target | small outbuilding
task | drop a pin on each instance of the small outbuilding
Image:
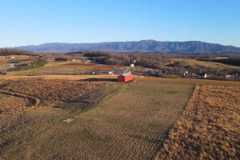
(126, 77)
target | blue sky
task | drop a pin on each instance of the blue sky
(24, 22)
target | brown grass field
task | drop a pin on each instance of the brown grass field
(204, 64)
(80, 119)
(63, 68)
(129, 123)
(209, 127)
(53, 90)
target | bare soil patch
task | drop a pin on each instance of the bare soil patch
(12, 104)
(55, 91)
(209, 128)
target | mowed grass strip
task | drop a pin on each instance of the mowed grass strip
(129, 124)
(136, 120)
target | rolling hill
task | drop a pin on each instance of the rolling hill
(188, 47)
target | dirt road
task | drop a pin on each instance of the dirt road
(55, 77)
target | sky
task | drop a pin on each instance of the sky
(25, 22)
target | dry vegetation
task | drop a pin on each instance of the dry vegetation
(209, 128)
(204, 65)
(144, 60)
(10, 107)
(52, 91)
(130, 123)
(72, 69)
(12, 104)
(64, 68)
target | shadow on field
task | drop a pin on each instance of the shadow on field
(100, 80)
(85, 102)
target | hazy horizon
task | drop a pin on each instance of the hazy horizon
(37, 44)
(31, 23)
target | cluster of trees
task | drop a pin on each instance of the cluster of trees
(161, 65)
(37, 63)
(145, 60)
(230, 61)
(155, 61)
(107, 58)
(7, 52)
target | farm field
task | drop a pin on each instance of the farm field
(209, 127)
(130, 121)
(119, 80)
(3, 64)
(54, 91)
(204, 64)
(63, 68)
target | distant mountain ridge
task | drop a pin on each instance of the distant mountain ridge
(188, 47)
